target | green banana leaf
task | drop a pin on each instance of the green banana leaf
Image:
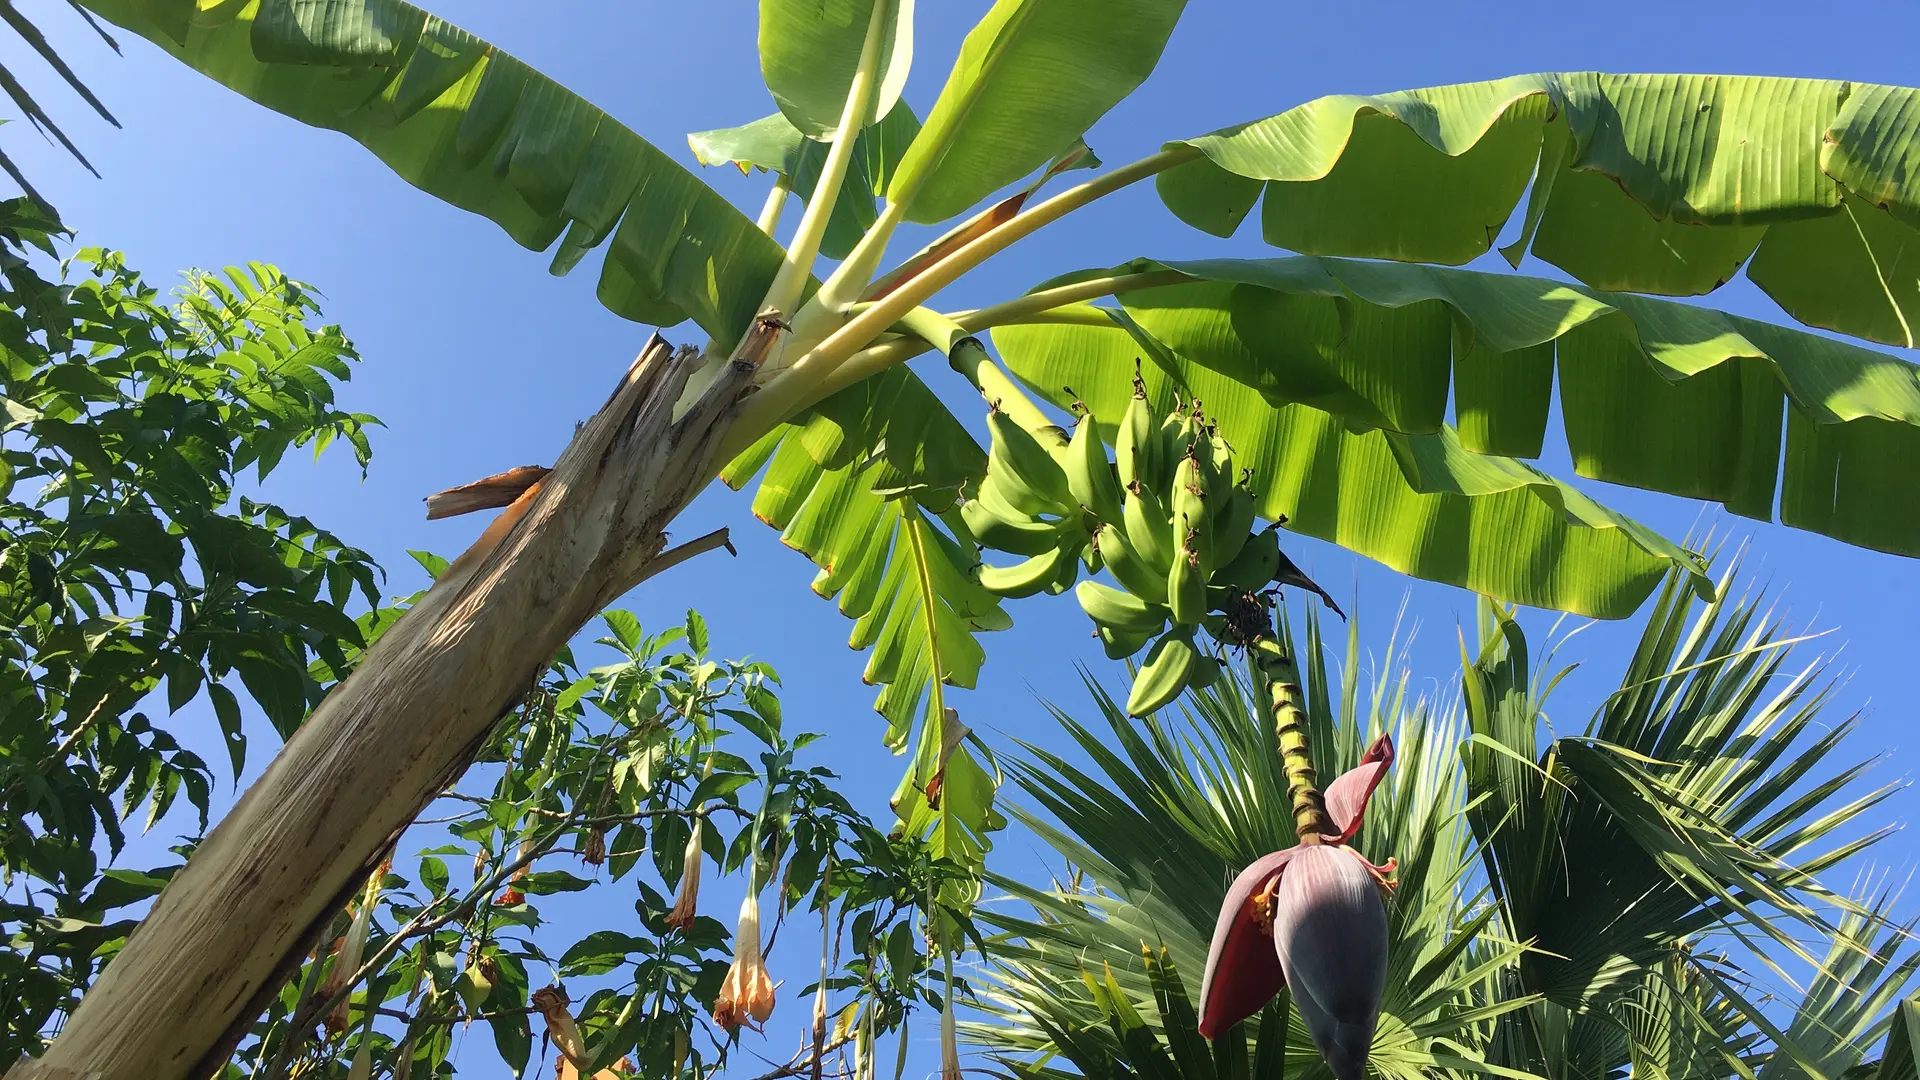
(774, 144)
(1421, 504)
(809, 50)
(1642, 183)
(1654, 393)
(473, 126)
(1031, 78)
(849, 486)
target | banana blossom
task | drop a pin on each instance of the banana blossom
(1310, 918)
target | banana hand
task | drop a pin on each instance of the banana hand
(1028, 475)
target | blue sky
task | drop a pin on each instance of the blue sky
(477, 360)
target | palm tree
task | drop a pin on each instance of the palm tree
(1568, 906)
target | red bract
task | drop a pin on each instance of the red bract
(1309, 917)
(1347, 796)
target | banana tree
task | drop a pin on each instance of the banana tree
(1327, 373)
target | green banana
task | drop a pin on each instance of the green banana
(1089, 475)
(1120, 610)
(1031, 479)
(994, 530)
(1069, 567)
(1133, 573)
(1254, 567)
(1163, 674)
(1120, 644)
(1176, 438)
(1026, 577)
(996, 491)
(1148, 529)
(1187, 587)
(1192, 521)
(1232, 523)
(1136, 448)
(1206, 672)
(1216, 462)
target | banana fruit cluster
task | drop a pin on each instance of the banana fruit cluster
(1169, 520)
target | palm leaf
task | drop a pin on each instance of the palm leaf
(1853, 998)
(1643, 183)
(1708, 728)
(31, 109)
(472, 125)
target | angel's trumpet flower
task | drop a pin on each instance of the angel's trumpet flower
(747, 994)
(1310, 918)
(686, 903)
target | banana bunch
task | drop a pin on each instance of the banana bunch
(1025, 506)
(1169, 519)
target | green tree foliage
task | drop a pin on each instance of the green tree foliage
(135, 579)
(598, 781)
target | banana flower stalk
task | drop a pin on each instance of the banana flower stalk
(1309, 918)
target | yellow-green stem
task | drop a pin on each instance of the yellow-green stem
(878, 358)
(829, 306)
(776, 202)
(967, 356)
(792, 277)
(1024, 307)
(779, 398)
(1280, 681)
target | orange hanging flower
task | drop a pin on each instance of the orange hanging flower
(511, 895)
(747, 994)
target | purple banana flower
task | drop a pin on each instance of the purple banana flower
(1311, 918)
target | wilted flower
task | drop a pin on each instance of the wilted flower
(1310, 918)
(552, 1003)
(747, 994)
(686, 903)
